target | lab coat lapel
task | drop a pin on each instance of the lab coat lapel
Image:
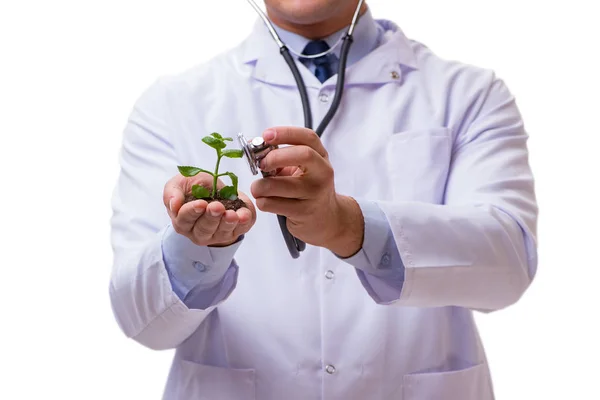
(273, 69)
(386, 64)
(261, 54)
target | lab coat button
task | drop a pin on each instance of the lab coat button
(385, 260)
(329, 274)
(200, 267)
(324, 97)
(330, 369)
(395, 75)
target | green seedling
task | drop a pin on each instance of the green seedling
(217, 142)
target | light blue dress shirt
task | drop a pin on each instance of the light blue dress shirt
(196, 273)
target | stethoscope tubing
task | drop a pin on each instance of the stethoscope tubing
(295, 245)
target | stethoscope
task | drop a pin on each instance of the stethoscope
(256, 149)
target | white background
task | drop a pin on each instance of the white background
(69, 74)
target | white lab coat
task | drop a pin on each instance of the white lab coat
(439, 145)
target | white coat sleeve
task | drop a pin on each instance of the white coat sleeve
(477, 249)
(142, 296)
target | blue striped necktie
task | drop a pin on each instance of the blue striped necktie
(323, 70)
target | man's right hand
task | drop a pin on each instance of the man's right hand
(205, 224)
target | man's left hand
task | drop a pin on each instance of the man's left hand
(303, 191)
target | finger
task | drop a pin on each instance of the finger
(245, 216)
(206, 226)
(173, 195)
(295, 136)
(227, 225)
(277, 205)
(188, 214)
(281, 186)
(288, 171)
(304, 157)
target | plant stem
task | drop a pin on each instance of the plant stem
(216, 175)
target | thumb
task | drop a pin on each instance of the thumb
(173, 196)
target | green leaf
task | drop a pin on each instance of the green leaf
(234, 180)
(191, 171)
(200, 192)
(214, 142)
(218, 136)
(232, 153)
(228, 192)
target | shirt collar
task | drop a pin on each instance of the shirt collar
(260, 44)
(367, 35)
(393, 56)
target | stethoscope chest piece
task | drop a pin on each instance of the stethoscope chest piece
(254, 151)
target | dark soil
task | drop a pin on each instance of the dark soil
(229, 204)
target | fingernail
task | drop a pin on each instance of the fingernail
(269, 135)
(171, 204)
(214, 213)
(229, 222)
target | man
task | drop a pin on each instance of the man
(417, 205)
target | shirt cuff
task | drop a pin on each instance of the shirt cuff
(378, 263)
(190, 266)
(375, 253)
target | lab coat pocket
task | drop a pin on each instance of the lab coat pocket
(418, 162)
(466, 384)
(204, 382)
